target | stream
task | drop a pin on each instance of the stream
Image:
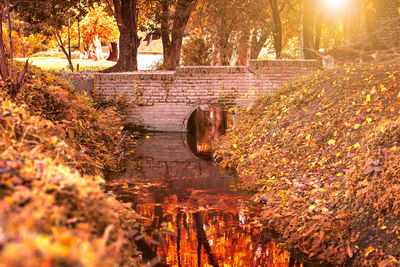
(195, 215)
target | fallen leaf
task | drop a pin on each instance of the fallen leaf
(368, 251)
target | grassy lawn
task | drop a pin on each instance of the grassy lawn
(54, 60)
(55, 63)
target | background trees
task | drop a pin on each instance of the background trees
(51, 16)
(223, 32)
(96, 27)
(173, 16)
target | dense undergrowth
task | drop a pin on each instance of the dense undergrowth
(324, 152)
(54, 148)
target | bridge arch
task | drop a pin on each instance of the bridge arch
(204, 124)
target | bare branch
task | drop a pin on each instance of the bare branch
(3, 59)
(18, 83)
(11, 52)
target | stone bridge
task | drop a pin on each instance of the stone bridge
(165, 100)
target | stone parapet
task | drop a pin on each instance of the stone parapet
(164, 100)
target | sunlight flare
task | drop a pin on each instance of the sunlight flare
(335, 4)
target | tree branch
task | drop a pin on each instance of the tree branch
(3, 59)
(61, 45)
(18, 83)
(11, 56)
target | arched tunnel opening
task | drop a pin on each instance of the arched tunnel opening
(205, 125)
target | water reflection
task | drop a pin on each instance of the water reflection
(205, 125)
(211, 225)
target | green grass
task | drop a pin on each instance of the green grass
(53, 63)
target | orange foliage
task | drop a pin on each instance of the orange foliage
(99, 23)
(50, 214)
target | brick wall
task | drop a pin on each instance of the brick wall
(166, 99)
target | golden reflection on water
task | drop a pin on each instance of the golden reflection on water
(223, 236)
(179, 193)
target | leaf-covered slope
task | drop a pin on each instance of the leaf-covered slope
(94, 134)
(50, 213)
(324, 152)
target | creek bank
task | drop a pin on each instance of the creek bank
(55, 146)
(323, 152)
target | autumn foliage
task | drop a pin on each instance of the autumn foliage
(53, 148)
(323, 152)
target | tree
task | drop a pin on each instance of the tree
(97, 26)
(125, 12)
(277, 31)
(308, 29)
(387, 23)
(6, 68)
(174, 16)
(51, 15)
(236, 29)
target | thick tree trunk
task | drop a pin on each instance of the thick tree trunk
(218, 51)
(241, 55)
(127, 61)
(113, 56)
(172, 38)
(126, 15)
(387, 23)
(318, 32)
(257, 44)
(308, 31)
(176, 48)
(277, 31)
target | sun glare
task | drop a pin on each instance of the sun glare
(335, 4)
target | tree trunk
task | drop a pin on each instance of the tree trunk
(69, 46)
(318, 32)
(3, 58)
(165, 31)
(149, 39)
(11, 52)
(387, 23)
(277, 31)
(257, 44)
(113, 56)
(126, 15)
(176, 48)
(308, 31)
(79, 36)
(98, 48)
(61, 45)
(241, 55)
(172, 38)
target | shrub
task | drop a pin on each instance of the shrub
(196, 50)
